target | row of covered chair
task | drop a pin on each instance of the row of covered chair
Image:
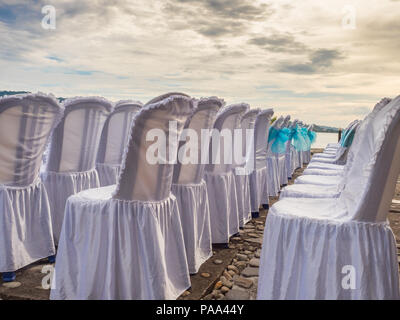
(112, 214)
(328, 236)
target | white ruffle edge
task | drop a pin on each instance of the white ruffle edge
(115, 249)
(60, 186)
(25, 226)
(194, 212)
(303, 259)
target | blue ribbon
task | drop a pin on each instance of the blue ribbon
(313, 136)
(299, 141)
(280, 137)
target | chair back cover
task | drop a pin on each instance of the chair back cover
(75, 141)
(202, 118)
(221, 145)
(148, 161)
(371, 180)
(26, 122)
(114, 136)
(285, 123)
(248, 122)
(261, 131)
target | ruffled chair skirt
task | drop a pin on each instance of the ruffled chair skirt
(224, 215)
(259, 188)
(60, 186)
(195, 217)
(115, 249)
(243, 196)
(25, 226)
(305, 258)
(272, 177)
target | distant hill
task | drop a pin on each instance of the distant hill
(318, 128)
(10, 93)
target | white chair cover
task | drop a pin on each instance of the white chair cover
(243, 191)
(275, 165)
(308, 242)
(114, 138)
(260, 176)
(26, 122)
(71, 159)
(189, 187)
(219, 177)
(126, 241)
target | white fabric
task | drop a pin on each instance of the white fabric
(319, 180)
(116, 249)
(259, 177)
(60, 186)
(306, 245)
(325, 166)
(322, 172)
(282, 170)
(126, 241)
(351, 230)
(220, 178)
(242, 177)
(190, 189)
(273, 177)
(259, 195)
(108, 173)
(25, 226)
(244, 197)
(221, 189)
(71, 160)
(309, 191)
(26, 123)
(194, 213)
(114, 138)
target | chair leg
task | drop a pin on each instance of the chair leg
(51, 259)
(9, 276)
(255, 215)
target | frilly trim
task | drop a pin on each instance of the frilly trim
(49, 97)
(213, 99)
(206, 104)
(69, 173)
(267, 113)
(252, 113)
(37, 182)
(382, 133)
(100, 100)
(232, 109)
(147, 108)
(122, 103)
(327, 222)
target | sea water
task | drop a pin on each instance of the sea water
(323, 138)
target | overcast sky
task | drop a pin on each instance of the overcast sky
(294, 56)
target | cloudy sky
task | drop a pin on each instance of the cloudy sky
(302, 58)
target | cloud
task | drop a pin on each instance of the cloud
(319, 60)
(279, 43)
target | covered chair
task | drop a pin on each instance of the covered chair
(341, 248)
(273, 181)
(125, 241)
(114, 138)
(189, 186)
(219, 177)
(243, 170)
(26, 122)
(71, 159)
(262, 169)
